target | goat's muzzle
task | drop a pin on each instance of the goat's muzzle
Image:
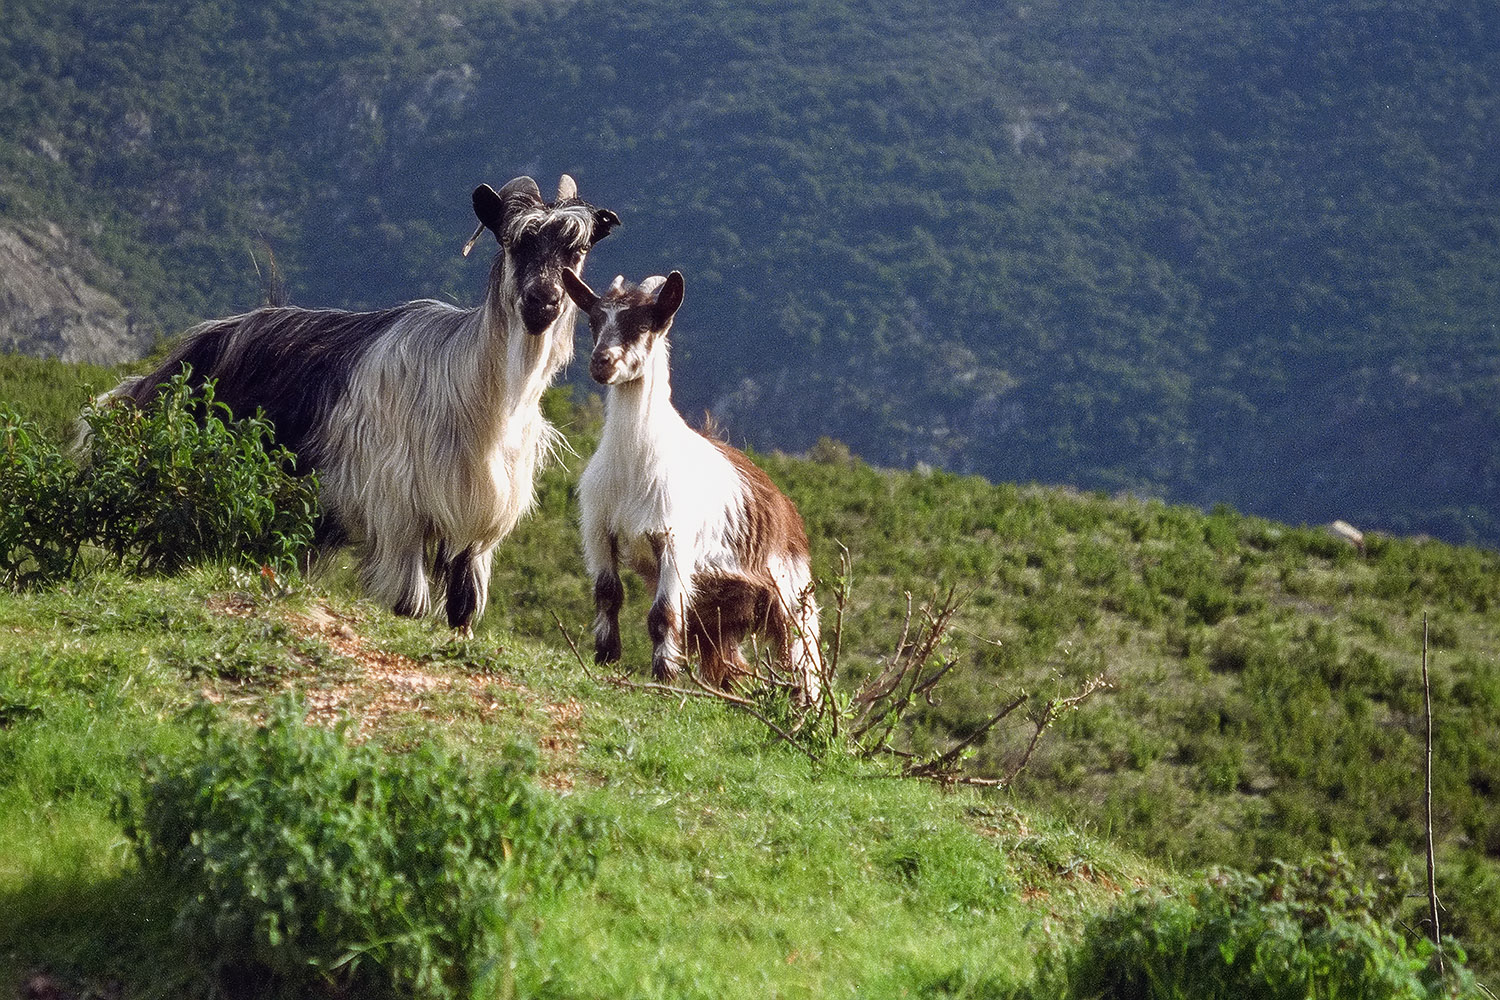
(540, 309)
(604, 366)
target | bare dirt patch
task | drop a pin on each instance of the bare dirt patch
(561, 743)
(381, 686)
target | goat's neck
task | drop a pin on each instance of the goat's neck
(522, 365)
(639, 416)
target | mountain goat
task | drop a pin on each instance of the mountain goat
(423, 420)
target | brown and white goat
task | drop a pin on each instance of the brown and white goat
(724, 550)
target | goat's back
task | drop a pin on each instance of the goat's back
(289, 362)
(717, 504)
(772, 525)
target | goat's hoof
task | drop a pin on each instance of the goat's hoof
(462, 633)
(664, 668)
(607, 652)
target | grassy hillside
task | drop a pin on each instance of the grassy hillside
(1265, 705)
(1237, 254)
(1267, 699)
(729, 867)
(49, 392)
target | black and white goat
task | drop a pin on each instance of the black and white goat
(423, 420)
(724, 550)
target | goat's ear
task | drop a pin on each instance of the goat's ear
(489, 207)
(582, 295)
(604, 221)
(668, 299)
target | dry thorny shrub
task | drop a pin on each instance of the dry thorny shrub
(869, 721)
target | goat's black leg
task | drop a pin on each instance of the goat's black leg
(609, 596)
(666, 619)
(663, 628)
(468, 588)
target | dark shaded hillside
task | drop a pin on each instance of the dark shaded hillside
(1242, 254)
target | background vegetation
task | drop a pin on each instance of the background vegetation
(1242, 254)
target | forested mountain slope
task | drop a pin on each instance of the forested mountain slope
(1243, 253)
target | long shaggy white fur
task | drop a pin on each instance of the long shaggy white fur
(432, 446)
(423, 421)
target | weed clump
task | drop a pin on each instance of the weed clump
(1309, 931)
(313, 864)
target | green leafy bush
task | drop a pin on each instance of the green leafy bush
(179, 482)
(183, 480)
(338, 867)
(1297, 933)
(39, 506)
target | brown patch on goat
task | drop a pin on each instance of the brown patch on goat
(772, 525)
(725, 609)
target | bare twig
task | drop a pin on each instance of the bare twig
(714, 694)
(1050, 713)
(890, 676)
(944, 767)
(831, 665)
(703, 690)
(924, 688)
(572, 645)
(885, 699)
(1432, 898)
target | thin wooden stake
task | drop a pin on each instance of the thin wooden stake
(1432, 899)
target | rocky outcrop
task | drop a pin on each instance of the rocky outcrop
(48, 309)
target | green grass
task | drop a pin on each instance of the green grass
(86, 693)
(763, 880)
(731, 866)
(51, 392)
(1266, 704)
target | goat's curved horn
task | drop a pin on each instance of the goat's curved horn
(469, 246)
(567, 188)
(521, 186)
(578, 290)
